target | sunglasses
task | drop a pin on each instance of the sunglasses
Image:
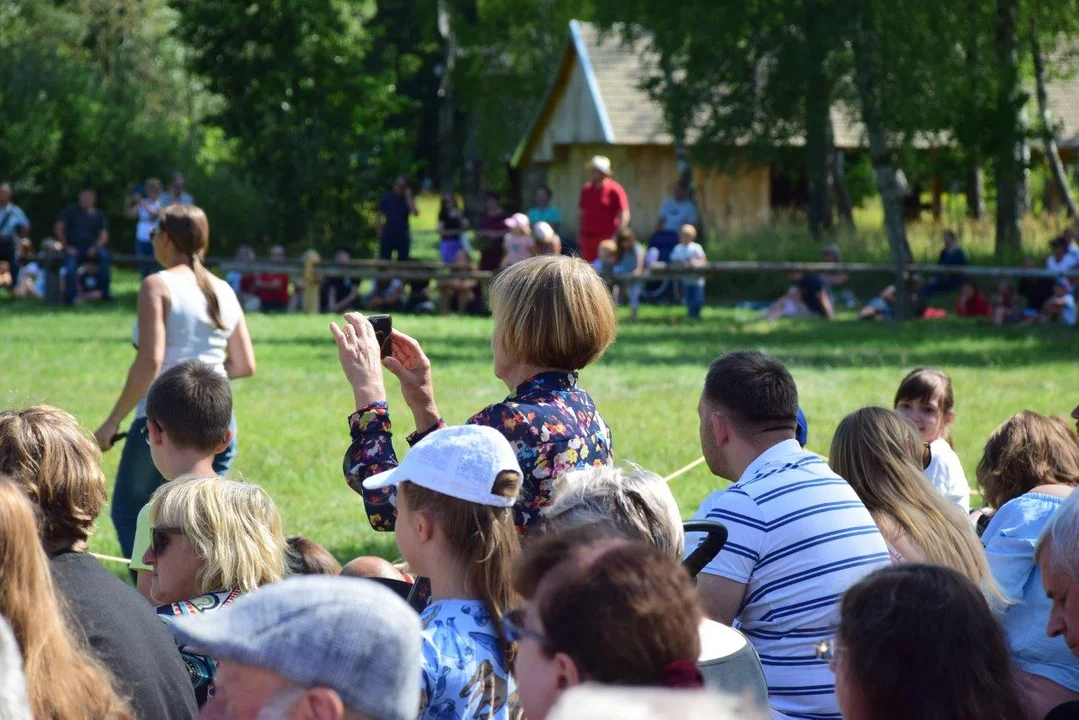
(513, 628)
(160, 537)
(145, 431)
(927, 456)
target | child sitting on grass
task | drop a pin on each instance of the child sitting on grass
(455, 494)
(689, 253)
(188, 414)
(925, 397)
(1061, 307)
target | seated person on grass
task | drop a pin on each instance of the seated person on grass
(972, 301)
(188, 412)
(387, 296)
(952, 254)
(87, 279)
(340, 294)
(30, 280)
(272, 287)
(882, 307)
(810, 293)
(458, 294)
(1061, 307)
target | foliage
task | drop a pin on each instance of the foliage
(292, 413)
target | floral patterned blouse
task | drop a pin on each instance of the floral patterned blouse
(551, 423)
(201, 668)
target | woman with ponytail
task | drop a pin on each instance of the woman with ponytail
(184, 313)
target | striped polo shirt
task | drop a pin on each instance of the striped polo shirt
(799, 537)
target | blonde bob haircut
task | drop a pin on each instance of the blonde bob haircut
(552, 311)
(232, 524)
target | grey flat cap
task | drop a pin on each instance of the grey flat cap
(347, 634)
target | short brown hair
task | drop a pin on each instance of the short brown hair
(1025, 451)
(755, 389)
(926, 384)
(552, 311)
(307, 557)
(622, 610)
(58, 465)
(192, 402)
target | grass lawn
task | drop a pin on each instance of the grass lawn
(292, 413)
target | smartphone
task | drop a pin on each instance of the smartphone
(383, 325)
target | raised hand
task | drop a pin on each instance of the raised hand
(411, 366)
(358, 351)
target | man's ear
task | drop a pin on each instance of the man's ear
(721, 427)
(568, 674)
(319, 703)
(225, 442)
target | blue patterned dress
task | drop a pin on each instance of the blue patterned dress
(551, 423)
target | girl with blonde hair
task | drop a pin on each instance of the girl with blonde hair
(63, 680)
(184, 313)
(879, 453)
(213, 539)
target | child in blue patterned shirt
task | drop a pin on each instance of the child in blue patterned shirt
(455, 494)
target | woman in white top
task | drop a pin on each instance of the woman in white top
(145, 210)
(184, 313)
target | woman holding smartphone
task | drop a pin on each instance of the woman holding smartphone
(184, 313)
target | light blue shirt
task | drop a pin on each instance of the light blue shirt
(166, 199)
(464, 671)
(12, 217)
(1009, 544)
(799, 537)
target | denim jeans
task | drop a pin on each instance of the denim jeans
(104, 273)
(137, 479)
(694, 299)
(146, 250)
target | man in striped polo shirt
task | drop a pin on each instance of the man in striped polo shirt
(799, 535)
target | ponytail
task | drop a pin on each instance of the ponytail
(203, 278)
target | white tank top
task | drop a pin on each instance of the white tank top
(189, 332)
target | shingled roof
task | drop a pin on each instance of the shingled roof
(629, 116)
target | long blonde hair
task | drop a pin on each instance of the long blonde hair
(484, 540)
(63, 680)
(233, 525)
(878, 452)
(189, 231)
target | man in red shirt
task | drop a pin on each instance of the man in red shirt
(604, 209)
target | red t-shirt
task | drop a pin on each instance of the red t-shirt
(601, 207)
(977, 306)
(273, 287)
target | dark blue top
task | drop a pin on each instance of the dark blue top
(83, 228)
(395, 208)
(811, 285)
(955, 256)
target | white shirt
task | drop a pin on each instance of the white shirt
(685, 253)
(144, 227)
(1064, 264)
(946, 474)
(799, 537)
(189, 332)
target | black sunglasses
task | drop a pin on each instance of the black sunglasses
(160, 538)
(927, 456)
(145, 431)
(513, 628)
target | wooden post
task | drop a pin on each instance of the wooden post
(311, 289)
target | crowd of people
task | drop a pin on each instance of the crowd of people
(536, 578)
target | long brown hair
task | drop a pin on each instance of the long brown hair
(875, 450)
(1025, 451)
(63, 680)
(622, 610)
(484, 539)
(906, 623)
(189, 231)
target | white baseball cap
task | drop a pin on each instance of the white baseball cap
(462, 462)
(601, 163)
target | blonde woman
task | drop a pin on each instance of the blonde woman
(212, 540)
(184, 313)
(879, 453)
(62, 679)
(553, 316)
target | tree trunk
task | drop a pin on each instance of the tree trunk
(818, 120)
(1049, 137)
(1008, 171)
(447, 137)
(866, 62)
(839, 185)
(975, 189)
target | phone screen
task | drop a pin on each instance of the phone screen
(383, 325)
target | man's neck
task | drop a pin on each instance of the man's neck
(752, 451)
(188, 462)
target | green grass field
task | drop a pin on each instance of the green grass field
(292, 414)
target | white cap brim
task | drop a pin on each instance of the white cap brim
(382, 480)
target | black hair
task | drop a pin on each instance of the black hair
(192, 402)
(756, 390)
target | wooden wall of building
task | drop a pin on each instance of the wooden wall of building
(648, 172)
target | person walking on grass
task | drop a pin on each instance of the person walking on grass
(799, 534)
(184, 312)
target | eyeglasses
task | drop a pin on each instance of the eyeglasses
(927, 456)
(513, 627)
(160, 538)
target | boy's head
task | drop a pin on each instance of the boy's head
(188, 410)
(1059, 246)
(687, 234)
(607, 250)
